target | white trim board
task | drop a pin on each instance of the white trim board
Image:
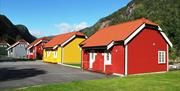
(126, 60)
(117, 74)
(166, 38)
(55, 46)
(140, 29)
(38, 42)
(160, 72)
(167, 57)
(16, 44)
(134, 34)
(8, 44)
(64, 43)
(92, 60)
(70, 65)
(110, 45)
(13, 45)
(30, 47)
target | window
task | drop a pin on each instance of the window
(48, 53)
(55, 54)
(92, 55)
(107, 57)
(161, 57)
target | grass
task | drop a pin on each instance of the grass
(169, 81)
(78, 65)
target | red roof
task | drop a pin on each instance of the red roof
(117, 32)
(59, 39)
(37, 40)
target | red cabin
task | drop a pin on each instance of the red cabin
(133, 47)
(35, 49)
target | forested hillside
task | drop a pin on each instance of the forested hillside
(166, 13)
(11, 33)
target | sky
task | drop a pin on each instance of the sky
(52, 17)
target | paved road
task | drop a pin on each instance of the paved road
(20, 74)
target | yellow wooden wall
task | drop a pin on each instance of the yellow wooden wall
(51, 58)
(72, 52)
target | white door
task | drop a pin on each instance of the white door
(92, 58)
(107, 59)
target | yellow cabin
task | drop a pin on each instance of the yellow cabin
(64, 48)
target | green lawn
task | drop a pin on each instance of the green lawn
(169, 81)
(78, 65)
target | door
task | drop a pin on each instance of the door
(107, 59)
(92, 57)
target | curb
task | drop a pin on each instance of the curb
(69, 65)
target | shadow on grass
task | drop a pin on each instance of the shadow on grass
(15, 74)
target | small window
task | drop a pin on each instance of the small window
(55, 54)
(108, 56)
(92, 56)
(22, 45)
(161, 57)
(48, 53)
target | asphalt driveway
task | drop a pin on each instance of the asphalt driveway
(20, 74)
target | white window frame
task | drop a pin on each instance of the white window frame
(55, 54)
(92, 58)
(48, 53)
(92, 55)
(106, 60)
(161, 57)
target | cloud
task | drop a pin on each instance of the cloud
(66, 27)
(36, 33)
(80, 26)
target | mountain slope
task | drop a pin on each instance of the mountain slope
(163, 12)
(11, 33)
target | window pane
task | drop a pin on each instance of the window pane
(161, 56)
(108, 56)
